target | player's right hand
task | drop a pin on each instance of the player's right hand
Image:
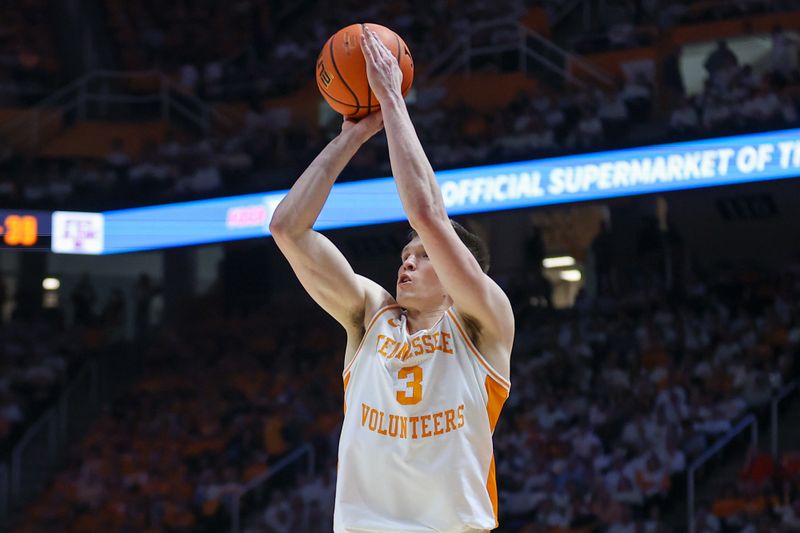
(383, 70)
(365, 127)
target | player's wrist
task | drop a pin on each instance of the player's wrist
(353, 137)
(393, 101)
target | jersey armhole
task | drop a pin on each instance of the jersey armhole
(372, 323)
(492, 373)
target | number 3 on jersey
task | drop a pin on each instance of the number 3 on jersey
(412, 393)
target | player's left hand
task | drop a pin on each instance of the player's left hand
(383, 71)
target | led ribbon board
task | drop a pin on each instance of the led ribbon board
(25, 229)
(651, 169)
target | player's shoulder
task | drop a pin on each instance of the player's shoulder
(376, 300)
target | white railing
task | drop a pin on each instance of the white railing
(33, 457)
(44, 445)
(571, 59)
(774, 423)
(564, 9)
(256, 485)
(748, 421)
(95, 95)
(527, 43)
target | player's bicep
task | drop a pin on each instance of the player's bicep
(328, 277)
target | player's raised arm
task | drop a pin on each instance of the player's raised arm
(319, 265)
(476, 297)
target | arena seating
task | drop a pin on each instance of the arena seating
(764, 497)
(272, 143)
(270, 150)
(28, 61)
(573, 450)
(41, 353)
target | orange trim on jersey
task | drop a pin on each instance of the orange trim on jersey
(491, 487)
(366, 332)
(492, 372)
(497, 395)
(346, 381)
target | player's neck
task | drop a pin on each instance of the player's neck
(419, 319)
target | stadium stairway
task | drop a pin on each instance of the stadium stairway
(724, 468)
(139, 105)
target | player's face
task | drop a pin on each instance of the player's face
(417, 282)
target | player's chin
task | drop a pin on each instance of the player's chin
(402, 296)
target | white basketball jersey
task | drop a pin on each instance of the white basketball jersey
(415, 453)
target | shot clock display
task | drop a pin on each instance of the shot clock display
(25, 230)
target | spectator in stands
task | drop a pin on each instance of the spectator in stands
(671, 76)
(11, 415)
(84, 299)
(783, 54)
(722, 66)
(684, 119)
(118, 160)
(59, 187)
(589, 131)
(705, 521)
(614, 114)
(788, 110)
(789, 510)
(113, 315)
(638, 96)
(625, 524)
(762, 107)
(718, 115)
(143, 294)
(189, 77)
(720, 59)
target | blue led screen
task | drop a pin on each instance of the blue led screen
(645, 170)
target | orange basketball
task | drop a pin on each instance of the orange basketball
(342, 69)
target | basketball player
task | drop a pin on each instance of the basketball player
(425, 373)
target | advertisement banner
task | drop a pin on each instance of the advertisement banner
(575, 178)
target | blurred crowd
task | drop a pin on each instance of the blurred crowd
(270, 149)
(45, 344)
(611, 402)
(635, 23)
(211, 414)
(268, 47)
(28, 65)
(271, 146)
(40, 352)
(765, 497)
(612, 405)
(36, 363)
(263, 45)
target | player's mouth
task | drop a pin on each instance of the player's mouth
(405, 279)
